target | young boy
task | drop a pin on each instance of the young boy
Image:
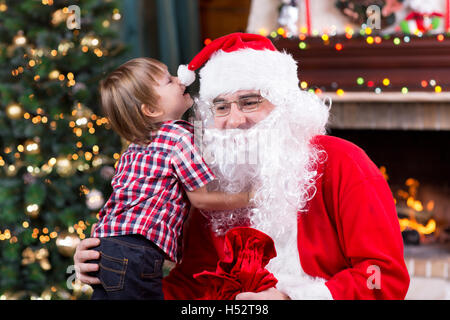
(157, 178)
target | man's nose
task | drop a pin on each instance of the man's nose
(236, 118)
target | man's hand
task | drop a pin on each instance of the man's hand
(269, 294)
(83, 254)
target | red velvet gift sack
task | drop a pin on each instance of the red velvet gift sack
(247, 252)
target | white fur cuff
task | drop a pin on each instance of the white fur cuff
(304, 289)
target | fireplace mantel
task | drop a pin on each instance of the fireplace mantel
(406, 64)
(390, 111)
(360, 68)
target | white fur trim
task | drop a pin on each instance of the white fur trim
(247, 69)
(186, 76)
(305, 288)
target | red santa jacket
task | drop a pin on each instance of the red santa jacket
(349, 236)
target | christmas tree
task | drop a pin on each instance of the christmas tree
(57, 152)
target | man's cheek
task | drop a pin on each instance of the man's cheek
(219, 123)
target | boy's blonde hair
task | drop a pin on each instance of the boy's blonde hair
(123, 92)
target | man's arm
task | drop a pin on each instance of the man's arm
(372, 242)
(204, 200)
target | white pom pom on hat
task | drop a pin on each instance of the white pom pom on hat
(186, 76)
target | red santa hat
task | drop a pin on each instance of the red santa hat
(240, 61)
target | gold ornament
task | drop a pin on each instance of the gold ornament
(116, 14)
(64, 167)
(67, 243)
(3, 6)
(19, 295)
(65, 46)
(32, 210)
(80, 289)
(55, 292)
(59, 16)
(90, 41)
(41, 255)
(11, 170)
(94, 199)
(19, 39)
(53, 75)
(81, 115)
(14, 111)
(32, 146)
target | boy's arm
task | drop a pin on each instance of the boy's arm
(202, 199)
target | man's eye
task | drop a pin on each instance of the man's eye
(249, 102)
(221, 107)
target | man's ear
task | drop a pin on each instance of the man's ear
(150, 111)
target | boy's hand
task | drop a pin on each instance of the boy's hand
(251, 195)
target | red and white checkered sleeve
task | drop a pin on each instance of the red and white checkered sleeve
(189, 165)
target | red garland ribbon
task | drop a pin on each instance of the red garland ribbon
(308, 17)
(419, 18)
(447, 16)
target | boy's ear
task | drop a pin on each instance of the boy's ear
(150, 111)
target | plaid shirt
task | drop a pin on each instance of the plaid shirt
(148, 197)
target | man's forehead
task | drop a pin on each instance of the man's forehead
(236, 94)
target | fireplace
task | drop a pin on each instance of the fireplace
(416, 166)
(414, 157)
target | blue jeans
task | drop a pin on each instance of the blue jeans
(130, 268)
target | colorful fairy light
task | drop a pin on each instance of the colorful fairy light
(304, 85)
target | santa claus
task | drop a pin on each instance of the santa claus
(322, 201)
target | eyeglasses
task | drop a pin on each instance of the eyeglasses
(245, 104)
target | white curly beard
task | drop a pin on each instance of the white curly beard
(276, 159)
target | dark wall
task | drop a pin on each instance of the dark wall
(422, 155)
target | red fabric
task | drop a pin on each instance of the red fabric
(351, 224)
(229, 43)
(419, 18)
(447, 15)
(308, 17)
(247, 252)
